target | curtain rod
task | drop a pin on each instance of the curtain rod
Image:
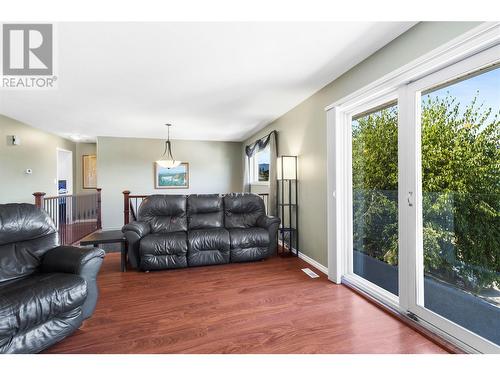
(265, 136)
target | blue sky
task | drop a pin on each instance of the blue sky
(263, 157)
(488, 85)
(176, 170)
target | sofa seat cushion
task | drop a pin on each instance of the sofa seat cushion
(163, 250)
(164, 213)
(205, 211)
(32, 301)
(208, 246)
(248, 244)
(243, 210)
(248, 237)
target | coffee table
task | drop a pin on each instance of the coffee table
(106, 237)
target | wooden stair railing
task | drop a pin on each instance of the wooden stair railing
(75, 215)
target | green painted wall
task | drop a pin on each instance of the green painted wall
(128, 164)
(82, 149)
(36, 151)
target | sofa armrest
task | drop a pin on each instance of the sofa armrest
(84, 262)
(271, 224)
(267, 221)
(69, 259)
(134, 232)
(138, 227)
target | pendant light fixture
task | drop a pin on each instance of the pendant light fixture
(167, 160)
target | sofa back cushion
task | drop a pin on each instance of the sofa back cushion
(205, 211)
(241, 210)
(26, 234)
(165, 213)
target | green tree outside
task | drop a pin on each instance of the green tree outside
(461, 190)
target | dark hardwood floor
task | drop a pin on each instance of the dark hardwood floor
(262, 307)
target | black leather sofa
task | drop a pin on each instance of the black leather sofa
(46, 290)
(175, 231)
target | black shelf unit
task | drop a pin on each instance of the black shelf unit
(287, 205)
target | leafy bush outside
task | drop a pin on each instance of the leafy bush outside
(461, 190)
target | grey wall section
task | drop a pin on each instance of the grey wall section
(82, 149)
(36, 151)
(302, 130)
(128, 164)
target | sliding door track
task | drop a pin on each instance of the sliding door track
(413, 321)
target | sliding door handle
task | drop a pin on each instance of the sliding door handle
(410, 198)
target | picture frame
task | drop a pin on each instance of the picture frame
(89, 171)
(171, 178)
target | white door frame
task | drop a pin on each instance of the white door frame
(70, 182)
(339, 199)
(480, 38)
(411, 230)
(68, 202)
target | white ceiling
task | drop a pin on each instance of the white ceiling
(212, 81)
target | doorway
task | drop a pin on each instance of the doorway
(414, 198)
(64, 172)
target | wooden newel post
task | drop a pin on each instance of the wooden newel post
(39, 199)
(99, 218)
(126, 206)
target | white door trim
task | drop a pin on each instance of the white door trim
(338, 122)
(478, 39)
(411, 131)
(70, 187)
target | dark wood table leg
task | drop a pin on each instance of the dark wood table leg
(123, 250)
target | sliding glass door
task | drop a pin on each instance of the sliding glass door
(417, 199)
(456, 254)
(375, 196)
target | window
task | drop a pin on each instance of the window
(414, 192)
(260, 167)
(458, 253)
(375, 196)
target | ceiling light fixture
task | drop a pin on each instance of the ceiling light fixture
(167, 160)
(75, 137)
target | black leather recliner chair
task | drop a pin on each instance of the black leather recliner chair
(175, 231)
(46, 290)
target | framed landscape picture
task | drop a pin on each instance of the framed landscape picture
(89, 167)
(172, 178)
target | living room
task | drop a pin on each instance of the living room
(249, 187)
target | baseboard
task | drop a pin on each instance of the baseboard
(310, 260)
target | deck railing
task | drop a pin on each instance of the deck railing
(131, 205)
(75, 216)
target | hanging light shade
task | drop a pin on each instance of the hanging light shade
(167, 160)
